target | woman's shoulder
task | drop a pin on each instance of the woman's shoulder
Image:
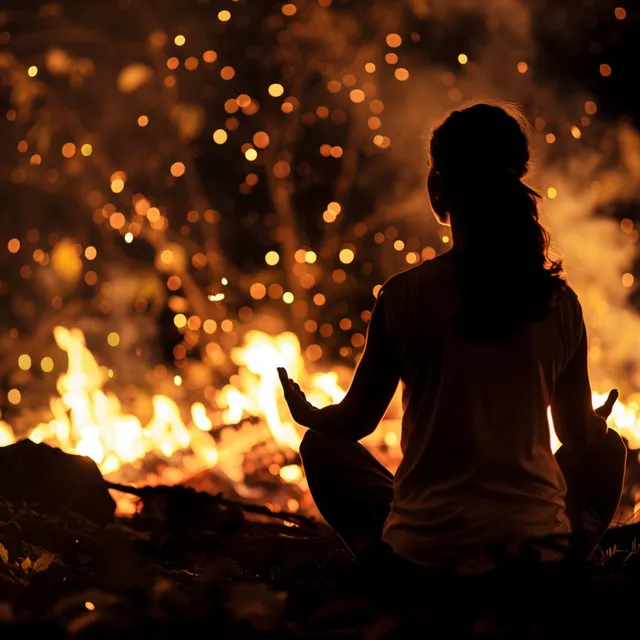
(423, 280)
(568, 307)
(566, 294)
(423, 273)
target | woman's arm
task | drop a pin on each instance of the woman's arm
(576, 422)
(373, 385)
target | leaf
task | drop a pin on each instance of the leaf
(25, 565)
(43, 562)
(4, 554)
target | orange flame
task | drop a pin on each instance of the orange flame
(88, 421)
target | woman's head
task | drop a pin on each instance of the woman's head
(475, 148)
(479, 156)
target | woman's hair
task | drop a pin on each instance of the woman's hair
(481, 154)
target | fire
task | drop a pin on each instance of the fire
(89, 421)
(625, 418)
(260, 357)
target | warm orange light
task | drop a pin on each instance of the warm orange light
(227, 73)
(220, 136)
(177, 169)
(393, 40)
(68, 149)
(281, 169)
(257, 291)
(347, 256)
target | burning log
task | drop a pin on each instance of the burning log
(186, 508)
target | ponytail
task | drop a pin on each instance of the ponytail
(506, 270)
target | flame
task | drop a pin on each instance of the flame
(261, 355)
(89, 421)
(624, 418)
(6, 434)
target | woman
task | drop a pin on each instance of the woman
(484, 339)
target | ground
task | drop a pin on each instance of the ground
(192, 563)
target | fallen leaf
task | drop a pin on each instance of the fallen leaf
(4, 554)
(26, 564)
(43, 562)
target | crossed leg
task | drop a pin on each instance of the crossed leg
(353, 491)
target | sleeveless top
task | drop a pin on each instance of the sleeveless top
(477, 469)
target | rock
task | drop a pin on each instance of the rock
(50, 481)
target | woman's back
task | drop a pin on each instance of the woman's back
(485, 339)
(477, 467)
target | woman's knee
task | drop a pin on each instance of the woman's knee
(615, 446)
(313, 445)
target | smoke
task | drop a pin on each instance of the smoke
(590, 167)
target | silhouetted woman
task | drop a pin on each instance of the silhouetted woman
(484, 339)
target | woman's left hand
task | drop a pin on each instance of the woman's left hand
(301, 409)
